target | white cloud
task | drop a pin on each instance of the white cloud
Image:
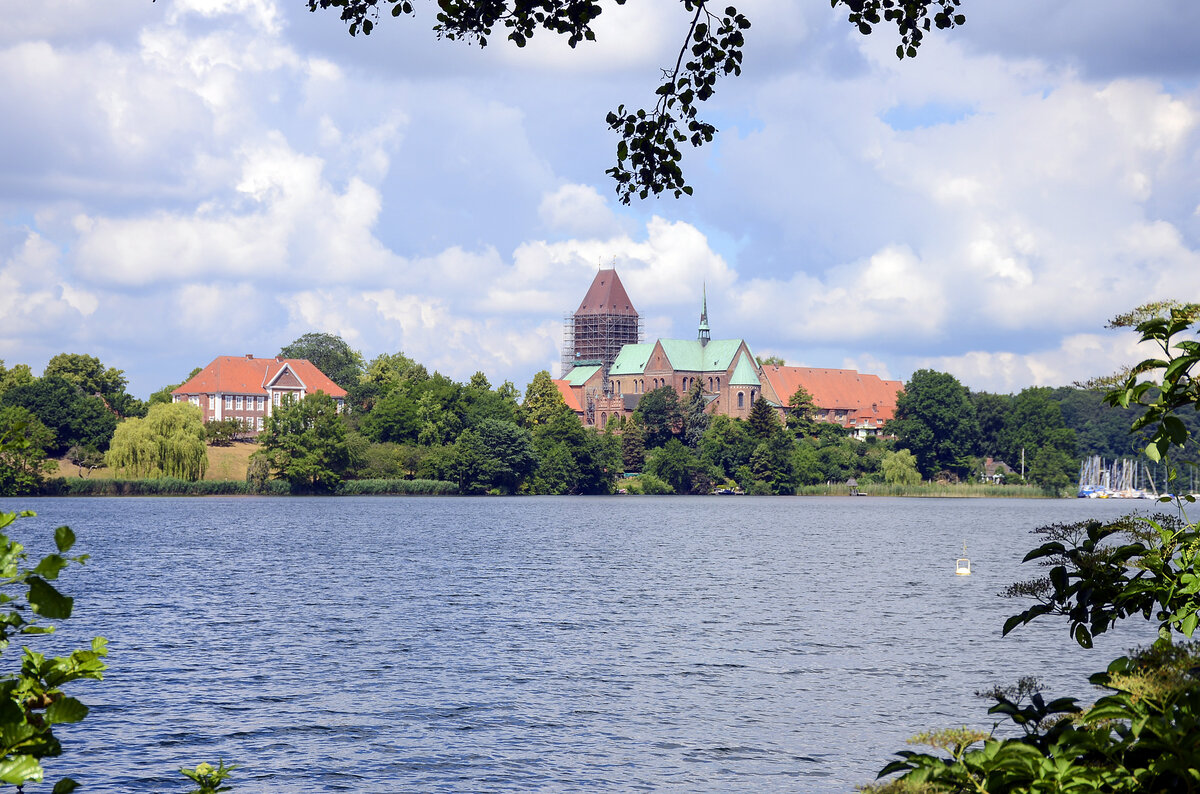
(262, 14)
(285, 220)
(891, 292)
(240, 172)
(34, 298)
(578, 210)
(1077, 358)
(426, 329)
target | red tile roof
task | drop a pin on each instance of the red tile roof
(569, 395)
(867, 397)
(249, 375)
(607, 295)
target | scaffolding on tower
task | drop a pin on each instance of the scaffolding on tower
(595, 340)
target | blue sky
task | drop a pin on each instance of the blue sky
(191, 178)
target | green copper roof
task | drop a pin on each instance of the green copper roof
(685, 355)
(579, 375)
(744, 374)
(631, 360)
(690, 355)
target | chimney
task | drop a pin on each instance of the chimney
(250, 356)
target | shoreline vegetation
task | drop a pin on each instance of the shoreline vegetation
(170, 486)
(399, 425)
(226, 475)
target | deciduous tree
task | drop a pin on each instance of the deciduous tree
(800, 411)
(658, 411)
(86, 459)
(74, 417)
(727, 445)
(900, 468)
(17, 375)
(330, 354)
(543, 402)
(496, 455)
(935, 420)
(304, 443)
(86, 372)
(167, 442)
(23, 444)
(676, 465)
(1033, 423)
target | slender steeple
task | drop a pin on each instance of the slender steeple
(703, 334)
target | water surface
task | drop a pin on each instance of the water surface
(556, 644)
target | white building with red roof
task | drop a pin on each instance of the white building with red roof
(247, 388)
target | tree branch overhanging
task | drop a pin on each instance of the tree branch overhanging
(648, 153)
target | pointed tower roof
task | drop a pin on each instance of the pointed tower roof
(607, 295)
(703, 334)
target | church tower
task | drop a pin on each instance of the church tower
(604, 323)
(702, 335)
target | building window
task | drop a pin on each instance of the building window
(260, 423)
(195, 400)
(741, 400)
(228, 400)
(240, 403)
(276, 399)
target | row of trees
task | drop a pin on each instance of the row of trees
(951, 430)
(401, 421)
(72, 410)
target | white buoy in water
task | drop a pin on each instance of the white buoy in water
(962, 566)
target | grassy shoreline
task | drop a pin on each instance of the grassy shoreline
(107, 486)
(104, 486)
(933, 489)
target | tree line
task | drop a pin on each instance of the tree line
(1044, 432)
(403, 422)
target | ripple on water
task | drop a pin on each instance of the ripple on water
(573, 644)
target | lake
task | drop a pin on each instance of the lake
(544, 643)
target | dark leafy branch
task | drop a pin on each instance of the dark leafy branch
(1101, 572)
(1144, 734)
(648, 150)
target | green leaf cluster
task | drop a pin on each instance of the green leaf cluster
(712, 47)
(32, 699)
(209, 779)
(1143, 734)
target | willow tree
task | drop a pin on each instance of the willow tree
(168, 442)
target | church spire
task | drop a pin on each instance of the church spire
(703, 333)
